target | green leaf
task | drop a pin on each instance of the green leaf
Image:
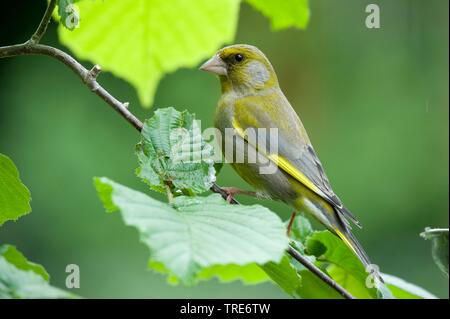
(104, 192)
(249, 274)
(141, 40)
(15, 257)
(173, 152)
(351, 283)
(199, 232)
(439, 246)
(314, 288)
(346, 269)
(160, 268)
(284, 275)
(301, 229)
(14, 196)
(24, 280)
(284, 14)
(402, 289)
(340, 262)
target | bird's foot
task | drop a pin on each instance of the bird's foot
(291, 222)
(231, 191)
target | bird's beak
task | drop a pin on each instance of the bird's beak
(215, 65)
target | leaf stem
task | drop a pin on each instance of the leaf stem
(169, 193)
(89, 78)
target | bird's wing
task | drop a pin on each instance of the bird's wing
(295, 154)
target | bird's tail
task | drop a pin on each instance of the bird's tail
(350, 240)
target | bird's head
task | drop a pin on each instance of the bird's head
(242, 68)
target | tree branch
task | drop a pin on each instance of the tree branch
(217, 189)
(89, 77)
(42, 27)
(315, 270)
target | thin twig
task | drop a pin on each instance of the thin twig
(319, 273)
(217, 189)
(89, 77)
(95, 71)
(37, 35)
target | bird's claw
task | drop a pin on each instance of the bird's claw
(230, 191)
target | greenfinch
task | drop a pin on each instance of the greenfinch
(252, 100)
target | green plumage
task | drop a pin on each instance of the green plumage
(251, 99)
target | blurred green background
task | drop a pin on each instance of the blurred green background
(375, 103)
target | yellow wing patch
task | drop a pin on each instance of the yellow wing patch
(295, 173)
(346, 241)
(283, 164)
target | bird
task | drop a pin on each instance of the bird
(251, 105)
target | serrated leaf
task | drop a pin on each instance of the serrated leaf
(284, 14)
(249, 274)
(161, 269)
(104, 191)
(14, 196)
(199, 232)
(16, 258)
(439, 246)
(402, 289)
(172, 151)
(20, 283)
(141, 41)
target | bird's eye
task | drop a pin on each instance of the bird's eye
(238, 57)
